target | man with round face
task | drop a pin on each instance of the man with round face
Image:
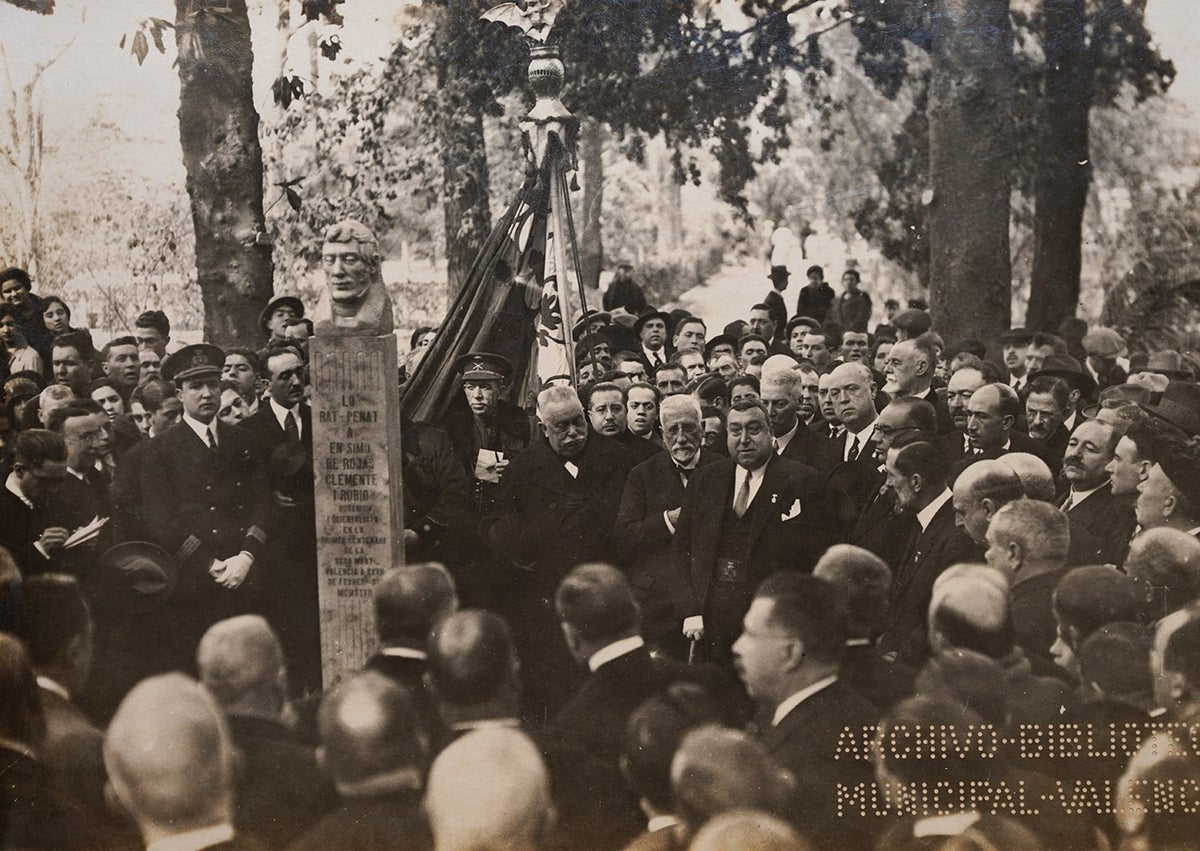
(121, 364)
(354, 301)
(1090, 505)
(963, 383)
(606, 411)
(856, 347)
(690, 334)
(815, 347)
(1169, 495)
(761, 323)
(71, 355)
(557, 508)
(750, 347)
(642, 405)
(651, 330)
(773, 495)
(206, 497)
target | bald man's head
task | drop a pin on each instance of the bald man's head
(980, 491)
(409, 600)
(1168, 560)
(468, 808)
(169, 757)
(372, 740)
(241, 664)
(1035, 476)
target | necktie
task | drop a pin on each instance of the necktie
(658, 361)
(684, 472)
(212, 439)
(853, 455)
(742, 502)
(290, 428)
(1069, 502)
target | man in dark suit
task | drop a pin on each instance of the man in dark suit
(474, 675)
(982, 490)
(881, 528)
(789, 658)
(1090, 504)
(283, 427)
(780, 392)
(647, 521)
(186, 788)
(39, 467)
(992, 414)
(1047, 406)
(863, 581)
(851, 472)
(280, 790)
(207, 502)
(375, 754)
(743, 518)
(909, 369)
(607, 413)
(557, 507)
(917, 474)
(56, 629)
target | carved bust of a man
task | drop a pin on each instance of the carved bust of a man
(355, 302)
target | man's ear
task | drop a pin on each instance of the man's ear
(1007, 422)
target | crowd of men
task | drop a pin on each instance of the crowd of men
(797, 584)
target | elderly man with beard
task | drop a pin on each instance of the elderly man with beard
(909, 370)
(557, 507)
(647, 520)
(1090, 504)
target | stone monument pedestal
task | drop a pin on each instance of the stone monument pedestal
(358, 489)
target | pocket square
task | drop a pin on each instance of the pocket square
(792, 513)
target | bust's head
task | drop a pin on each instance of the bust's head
(350, 257)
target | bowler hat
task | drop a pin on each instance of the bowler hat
(718, 340)
(135, 576)
(279, 301)
(483, 366)
(1179, 406)
(647, 316)
(196, 361)
(796, 321)
(1069, 370)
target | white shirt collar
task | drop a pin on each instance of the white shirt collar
(863, 437)
(201, 429)
(1069, 422)
(799, 697)
(925, 515)
(1193, 532)
(403, 652)
(781, 443)
(572, 469)
(1077, 497)
(194, 840)
(75, 473)
(661, 823)
(281, 413)
(485, 724)
(612, 651)
(14, 487)
(756, 480)
(51, 686)
(858, 642)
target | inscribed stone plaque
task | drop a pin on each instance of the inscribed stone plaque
(359, 495)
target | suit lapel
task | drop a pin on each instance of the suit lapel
(766, 502)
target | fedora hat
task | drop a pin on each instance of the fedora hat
(1171, 364)
(135, 576)
(1069, 370)
(1118, 396)
(1179, 406)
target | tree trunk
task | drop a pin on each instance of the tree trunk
(970, 153)
(218, 130)
(1063, 166)
(591, 242)
(464, 153)
(670, 203)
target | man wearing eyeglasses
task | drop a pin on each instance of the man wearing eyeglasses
(355, 301)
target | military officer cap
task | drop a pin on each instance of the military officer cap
(484, 366)
(199, 361)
